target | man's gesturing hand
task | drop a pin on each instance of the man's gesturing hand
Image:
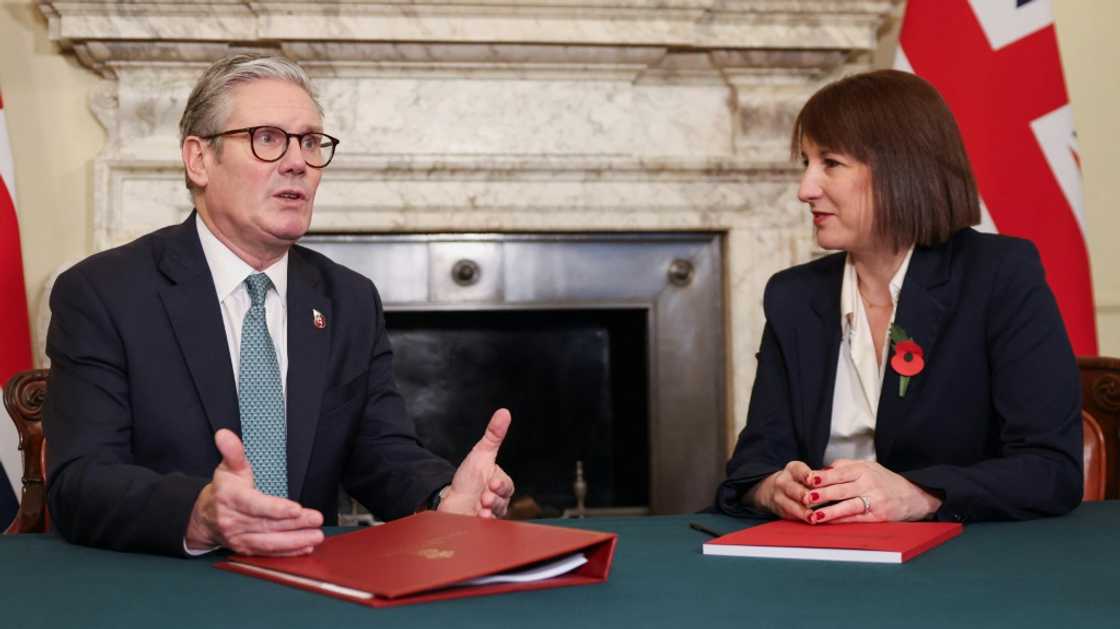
(230, 512)
(480, 487)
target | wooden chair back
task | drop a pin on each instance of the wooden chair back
(1096, 459)
(24, 395)
(1100, 396)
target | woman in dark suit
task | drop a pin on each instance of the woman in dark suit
(923, 372)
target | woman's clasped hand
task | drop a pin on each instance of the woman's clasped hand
(846, 491)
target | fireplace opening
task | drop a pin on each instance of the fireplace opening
(608, 349)
(575, 381)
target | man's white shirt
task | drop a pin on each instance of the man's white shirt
(229, 272)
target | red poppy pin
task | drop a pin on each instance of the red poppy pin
(908, 360)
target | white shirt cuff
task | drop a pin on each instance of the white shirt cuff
(198, 553)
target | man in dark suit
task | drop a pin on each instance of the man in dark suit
(167, 352)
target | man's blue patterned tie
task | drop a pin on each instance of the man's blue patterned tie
(261, 396)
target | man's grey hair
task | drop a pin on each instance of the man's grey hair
(210, 105)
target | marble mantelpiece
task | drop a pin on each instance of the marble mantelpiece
(492, 115)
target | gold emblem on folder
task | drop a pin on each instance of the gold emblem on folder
(435, 553)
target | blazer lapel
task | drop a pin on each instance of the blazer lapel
(923, 306)
(309, 345)
(195, 315)
(817, 350)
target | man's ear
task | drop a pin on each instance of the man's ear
(194, 156)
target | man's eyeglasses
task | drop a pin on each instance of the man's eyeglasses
(269, 144)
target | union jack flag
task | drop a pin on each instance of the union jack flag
(15, 334)
(996, 64)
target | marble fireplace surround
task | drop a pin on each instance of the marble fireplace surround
(502, 116)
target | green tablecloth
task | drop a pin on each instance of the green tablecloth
(1046, 573)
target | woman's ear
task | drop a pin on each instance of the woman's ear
(194, 161)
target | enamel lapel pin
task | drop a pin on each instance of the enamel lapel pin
(318, 319)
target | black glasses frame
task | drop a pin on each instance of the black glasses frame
(287, 142)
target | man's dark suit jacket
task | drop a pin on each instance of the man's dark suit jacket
(992, 424)
(141, 379)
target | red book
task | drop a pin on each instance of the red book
(428, 557)
(875, 542)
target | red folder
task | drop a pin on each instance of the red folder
(875, 542)
(422, 557)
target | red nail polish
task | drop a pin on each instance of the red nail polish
(818, 516)
(816, 480)
(814, 496)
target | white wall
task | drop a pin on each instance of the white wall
(54, 139)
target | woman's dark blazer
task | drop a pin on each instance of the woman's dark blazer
(992, 424)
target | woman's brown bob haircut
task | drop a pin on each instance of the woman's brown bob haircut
(897, 124)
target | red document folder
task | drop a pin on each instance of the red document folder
(876, 542)
(420, 558)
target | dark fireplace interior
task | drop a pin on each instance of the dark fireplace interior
(575, 380)
(607, 348)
